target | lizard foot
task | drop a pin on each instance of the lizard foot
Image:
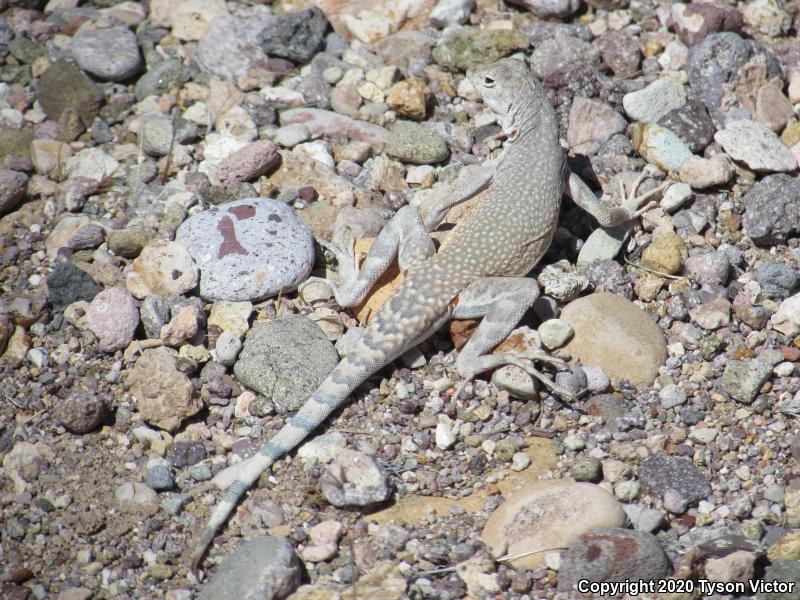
(637, 204)
(348, 271)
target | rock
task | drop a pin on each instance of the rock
(693, 22)
(773, 108)
(248, 163)
(191, 18)
(559, 51)
(756, 146)
(767, 17)
(777, 280)
(17, 347)
(160, 478)
(227, 348)
(607, 554)
(460, 48)
(786, 548)
(286, 360)
(409, 98)
(787, 574)
(709, 267)
(548, 515)
(64, 87)
(772, 210)
(80, 412)
(13, 186)
(289, 136)
(643, 518)
(265, 567)
(742, 379)
(110, 54)
(621, 53)
(787, 319)
(230, 47)
(405, 47)
(324, 539)
(113, 317)
(603, 244)
(712, 315)
(295, 36)
(666, 254)
(333, 125)
(385, 581)
(692, 123)
(91, 163)
(591, 124)
(659, 146)
(450, 12)
(616, 335)
(67, 284)
(714, 65)
(516, 382)
(6, 329)
(186, 454)
(662, 472)
(654, 101)
(231, 316)
(134, 496)
(547, 9)
(49, 156)
(160, 79)
(163, 268)
(701, 173)
(416, 144)
(354, 479)
(248, 249)
(164, 396)
(182, 326)
(129, 242)
(555, 333)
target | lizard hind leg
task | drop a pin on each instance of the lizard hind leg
(502, 302)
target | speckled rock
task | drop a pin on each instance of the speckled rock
(265, 568)
(662, 472)
(548, 515)
(742, 379)
(616, 335)
(285, 360)
(354, 479)
(111, 54)
(164, 396)
(113, 317)
(772, 210)
(295, 36)
(80, 412)
(608, 554)
(461, 48)
(248, 249)
(162, 268)
(416, 144)
(692, 123)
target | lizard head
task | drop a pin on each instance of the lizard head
(505, 86)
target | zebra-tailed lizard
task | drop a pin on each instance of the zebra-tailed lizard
(480, 273)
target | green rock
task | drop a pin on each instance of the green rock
(64, 86)
(416, 144)
(25, 50)
(16, 142)
(470, 45)
(160, 79)
(505, 449)
(587, 469)
(742, 379)
(129, 242)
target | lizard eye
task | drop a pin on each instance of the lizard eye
(488, 81)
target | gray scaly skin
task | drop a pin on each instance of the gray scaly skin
(478, 273)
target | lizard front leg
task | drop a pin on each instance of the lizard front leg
(607, 213)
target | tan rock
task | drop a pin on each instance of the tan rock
(190, 18)
(409, 98)
(616, 335)
(773, 109)
(162, 268)
(50, 156)
(701, 173)
(786, 548)
(549, 515)
(666, 254)
(18, 345)
(296, 168)
(231, 316)
(164, 396)
(63, 232)
(372, 20)
(384, 582)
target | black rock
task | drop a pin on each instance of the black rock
(67, 284)
(295, 36)
(186, 454)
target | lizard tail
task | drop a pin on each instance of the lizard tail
(364, 360)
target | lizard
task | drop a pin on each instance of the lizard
(480, 273)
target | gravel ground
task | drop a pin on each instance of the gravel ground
(165, 170)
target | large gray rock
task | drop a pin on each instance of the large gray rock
(248, 249)
(12, 189)
(265, 568)
(772, 210)
(286, 360)
(111, 54)
(295, 36)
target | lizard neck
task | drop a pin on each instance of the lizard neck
(531, 120)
